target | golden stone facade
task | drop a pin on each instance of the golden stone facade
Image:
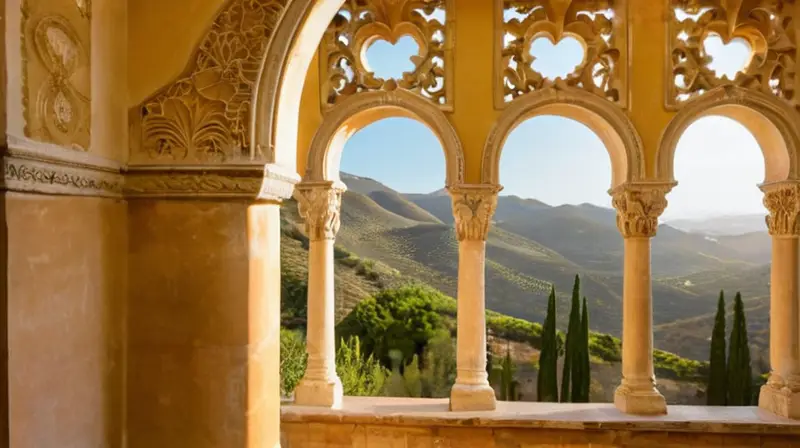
(149, 144)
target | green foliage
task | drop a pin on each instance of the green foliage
(716, 391)
(294, 300)
(505, 373)
(572, 346)
(439, 373)
(547, 380)
(582, 374)
(361, 375)
(292, 360)
(403, 319)
(740, 374)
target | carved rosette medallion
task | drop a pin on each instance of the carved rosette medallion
(783, 203)
(56, 72)
(768, 26)
(473, 208)
(320, 205)
(599, 25)
(360, 23)
(204, 116)
(638, 208)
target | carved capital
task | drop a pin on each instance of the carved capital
(320, 206)
(782, 200)
(473, 207)
(638, 208)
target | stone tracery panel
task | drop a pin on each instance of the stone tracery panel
(204, 116)
(768, 26)
(360, 23)
(56, 71)
(598, 25)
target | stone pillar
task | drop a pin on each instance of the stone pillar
(473, 207)
(781, 394)
(638, 208)
(319, 204)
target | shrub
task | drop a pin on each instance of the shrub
(292, 360)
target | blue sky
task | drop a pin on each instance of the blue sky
(557, 160)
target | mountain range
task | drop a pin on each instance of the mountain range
(533, 245)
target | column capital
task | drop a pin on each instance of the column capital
(639, 206)
(782, 200)
(473, 207)
(320, 204)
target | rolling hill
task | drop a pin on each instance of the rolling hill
(533, 246)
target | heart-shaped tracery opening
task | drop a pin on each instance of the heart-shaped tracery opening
(559, 60)
(390, 61)
(727, 59)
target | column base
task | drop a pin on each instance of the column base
(321, 393)
(781, 401)
(640, 402)
(469, 397)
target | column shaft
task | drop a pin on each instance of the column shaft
(320, 204)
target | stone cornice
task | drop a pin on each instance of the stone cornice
(34, 167)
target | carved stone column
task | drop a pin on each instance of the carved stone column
(473, 207)
(781, 394)
(320, 204)
(638, 208)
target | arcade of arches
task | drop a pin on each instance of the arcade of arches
(149, 144)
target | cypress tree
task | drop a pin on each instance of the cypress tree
(740, 375)
(547, 381)
(573, 331)
(581, 370)
(717, 372)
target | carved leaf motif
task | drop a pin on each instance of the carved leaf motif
(638, 210)
(586, 20)
(320, 207)
(473, 210)
(783, 204)
(360, 22)
(216, 91)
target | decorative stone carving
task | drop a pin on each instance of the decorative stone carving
(204, 116)
(85, 8)
(56, 103)
(782, 200)
(769, 26)
(638, 208)
(473, 208)
(599, 25)
(320, 204)
(360, 23)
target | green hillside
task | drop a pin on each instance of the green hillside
(533, 245)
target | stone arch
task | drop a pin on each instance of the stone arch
(276, 109)
(604, 118)
(359, 111)
(774, 124)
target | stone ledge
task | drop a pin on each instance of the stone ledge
(558, 416)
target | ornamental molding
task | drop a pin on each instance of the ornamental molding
(638, 208)
(782, 200)
(768, 26)
(344, 70)
(33, 167)
(779, 114)
(250, 182)
(382, 104)
(599, 26)
(473, 208)
(320, 205)
(204, 117)
(604, 118)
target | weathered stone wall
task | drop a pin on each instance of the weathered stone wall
(65, 311)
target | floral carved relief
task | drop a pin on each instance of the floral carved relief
(320, 206)
(598, 25)
(638, 209)
(473, 208)
(767, 26)
(56, 73)
(783, 203)
(360, 23)
(203, 117)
